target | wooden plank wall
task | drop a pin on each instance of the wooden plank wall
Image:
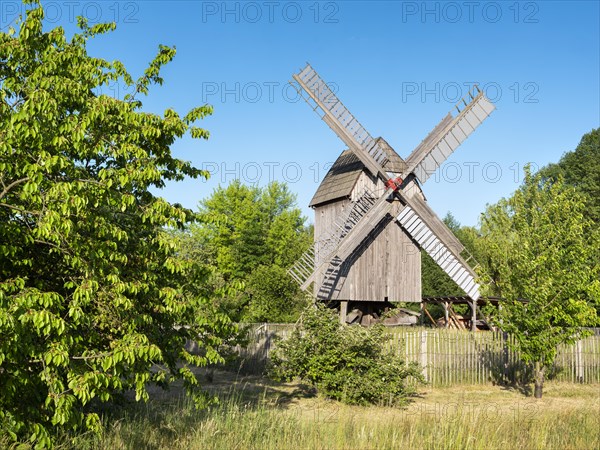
(452, 357)
(389, 267)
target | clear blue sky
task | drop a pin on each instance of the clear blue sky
(398, 66)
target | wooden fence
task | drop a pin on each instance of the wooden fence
(451, 357)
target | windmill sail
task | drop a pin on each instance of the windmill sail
(341, 121)
(448, 135)
(423, 210)
(323, 251)
(450, 262)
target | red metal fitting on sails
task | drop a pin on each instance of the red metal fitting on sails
(394, 183)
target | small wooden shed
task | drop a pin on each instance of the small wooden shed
(386, 267)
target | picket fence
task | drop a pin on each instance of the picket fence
(450, 357)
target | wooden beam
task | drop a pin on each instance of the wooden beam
(485, 318)
(343, 312)
(427, 144)
(446, 314)
(429, 315)
(459, 324)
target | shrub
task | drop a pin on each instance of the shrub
(351, 364)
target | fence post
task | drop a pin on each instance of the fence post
(267, 342)
(505, 357)
(424, 354)
(578, 363)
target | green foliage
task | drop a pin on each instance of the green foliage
(250, 236)
(347, 363)
(274, 296)
(91, 297)
(539, 246)
(581, 169)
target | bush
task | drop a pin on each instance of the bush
(346, 363)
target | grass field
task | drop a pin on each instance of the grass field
(258, 414)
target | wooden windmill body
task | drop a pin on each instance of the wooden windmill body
(372, 272)
(371, 218)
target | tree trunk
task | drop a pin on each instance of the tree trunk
(539, 379)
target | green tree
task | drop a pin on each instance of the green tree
(581, 169)
(273, 297)
(91, 297)
(251, 236)
(540, 248)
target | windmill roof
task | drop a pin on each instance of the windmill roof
(343, 175)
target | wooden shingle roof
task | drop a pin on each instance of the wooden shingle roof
(395, 163)
(343, 175)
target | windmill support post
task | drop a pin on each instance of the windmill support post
(474, 315)
(429, 315)
(343, 312)
(446, 323)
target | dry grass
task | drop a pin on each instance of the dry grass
(256, 413)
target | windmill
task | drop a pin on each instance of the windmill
(371, 218)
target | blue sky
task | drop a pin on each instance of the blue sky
(398, 66)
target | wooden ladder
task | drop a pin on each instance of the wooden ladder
(323, 250)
